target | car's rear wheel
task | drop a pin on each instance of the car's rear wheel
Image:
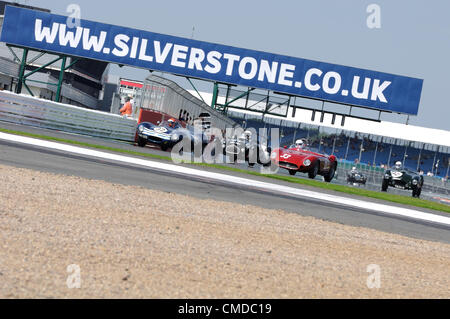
(314, 170)
(141, 141)
(384, 185)
(329, 176)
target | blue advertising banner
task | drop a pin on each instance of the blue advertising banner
(204, 60)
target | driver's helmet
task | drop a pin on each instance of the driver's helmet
(398, 165)
(354, 169)
(172, 122)
(300, 143)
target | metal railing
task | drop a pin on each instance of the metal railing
(27, 110)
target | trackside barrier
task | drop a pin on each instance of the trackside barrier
(27, 110)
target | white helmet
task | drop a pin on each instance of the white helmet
(353, 168)
(398, 165)
(299, 143)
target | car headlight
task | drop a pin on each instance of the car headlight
(273, 155)
(174, 137)
(141, 128)
(307, 162)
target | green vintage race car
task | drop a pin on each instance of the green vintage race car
(402, 178)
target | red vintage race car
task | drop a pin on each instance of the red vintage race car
(299, 158)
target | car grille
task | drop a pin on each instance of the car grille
(288, 165)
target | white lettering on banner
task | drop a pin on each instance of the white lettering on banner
(142, 53)
(286, 71)
(179, 52)
(134, 47)
(377, 90)
(41, 33)
(196, 58)
(365, 93)
(253, 68)
(269, 72)
(213, 59)
(69, 37)
(326, 82)
(183, 56)
(92, 41)
(308, 75)
(160, 57)
(231, 59)
(121, 41)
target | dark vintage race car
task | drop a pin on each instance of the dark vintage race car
(402, 178)
(166, 134)
(244, 147)
(356, 177)
(299, 158)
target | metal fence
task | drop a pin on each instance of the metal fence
(27, 110)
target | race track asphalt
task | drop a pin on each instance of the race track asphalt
(84, 166)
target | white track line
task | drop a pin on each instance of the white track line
(386, 209)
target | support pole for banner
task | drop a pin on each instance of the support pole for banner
(72, 63)
(240, 96)
(16, 58)
(192, 84)
(23, 64)
(215, 94)
(61, 78)
(27, 87)
(40, 68)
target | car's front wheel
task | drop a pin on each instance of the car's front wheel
(292, 172)
(141, 141)
(416, 192)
